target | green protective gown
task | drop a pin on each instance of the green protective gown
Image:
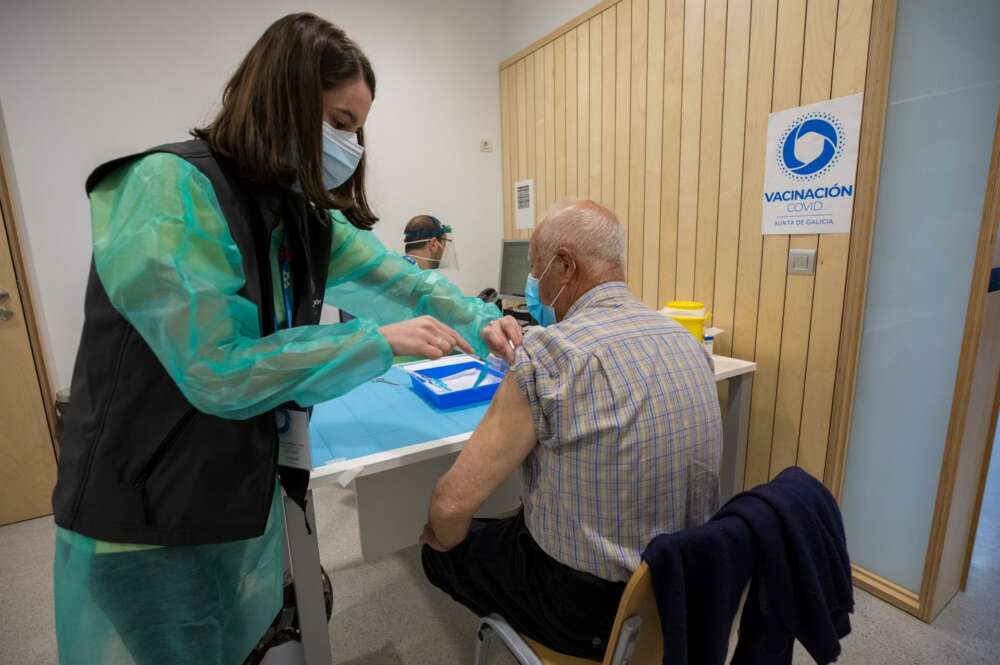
(169, 265)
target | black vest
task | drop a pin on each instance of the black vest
(139, 463)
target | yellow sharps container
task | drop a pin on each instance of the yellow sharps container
(690, 314)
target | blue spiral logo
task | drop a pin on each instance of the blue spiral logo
(284, 420)
(827, 129)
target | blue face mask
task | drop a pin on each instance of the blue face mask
(544, 314)
(341, 156)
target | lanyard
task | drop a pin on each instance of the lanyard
(285, 261)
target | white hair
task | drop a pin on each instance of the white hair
(586, 227)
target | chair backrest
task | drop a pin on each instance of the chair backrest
(638, 601)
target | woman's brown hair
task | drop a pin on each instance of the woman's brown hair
(272, 111)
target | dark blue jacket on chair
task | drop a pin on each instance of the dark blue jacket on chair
(786, 539)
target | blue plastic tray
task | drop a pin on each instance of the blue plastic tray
(454, 398)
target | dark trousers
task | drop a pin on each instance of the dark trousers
(499, 568)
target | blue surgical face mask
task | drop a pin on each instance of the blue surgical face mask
(341, 156)
(544, 314)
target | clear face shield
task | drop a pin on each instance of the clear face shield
(434, 254)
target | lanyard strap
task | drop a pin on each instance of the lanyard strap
(285, 261)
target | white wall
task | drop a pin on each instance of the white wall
(83, 81)
(528, 20)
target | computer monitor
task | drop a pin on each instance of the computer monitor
(514, 268)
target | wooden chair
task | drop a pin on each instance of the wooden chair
(635, 636)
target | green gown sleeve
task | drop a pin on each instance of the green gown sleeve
(165, 257)
(372, 282)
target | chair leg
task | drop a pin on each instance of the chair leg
(494, 626)
(483, 638)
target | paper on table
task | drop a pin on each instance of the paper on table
(462, 381)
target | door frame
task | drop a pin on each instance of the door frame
(11, 221)
(984, 472)
(931, 597)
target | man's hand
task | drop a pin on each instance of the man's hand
(502, 336)
(444, 531)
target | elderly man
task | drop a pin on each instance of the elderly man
(612, 413)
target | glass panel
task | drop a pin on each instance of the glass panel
(943, 101)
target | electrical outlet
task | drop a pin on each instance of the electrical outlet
(486, 145)
(802, 262)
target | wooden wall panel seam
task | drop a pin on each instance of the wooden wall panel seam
(724, 314)
(572, 115)
(668, 214)
(609, 69)
(763, 39)
(637, 136)
(816, 81)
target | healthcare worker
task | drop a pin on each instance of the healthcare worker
(211, 261)
(428, 243)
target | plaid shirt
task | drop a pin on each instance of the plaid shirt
(629, 432)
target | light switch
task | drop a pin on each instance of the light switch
(802, 262)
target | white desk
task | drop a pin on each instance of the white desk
(393, 488)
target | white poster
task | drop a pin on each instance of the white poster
(811, 161)
(524, 204)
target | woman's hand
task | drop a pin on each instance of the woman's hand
(502, 336)
(423, 336)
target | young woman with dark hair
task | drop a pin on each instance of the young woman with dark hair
(211, 261)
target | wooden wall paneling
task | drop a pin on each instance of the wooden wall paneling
(572, 164)
(515, 138)
(541, 171)
(687, 224)
(531, 130)
(712, 91)
(655, 44)
(596, 89)
(564, 29)
(506, 106)
(559, 61)
(850, 75)
(637, 146)
(764, 14)
(817, 79)
(623, 99)
(609, 29)
(583, 111)
(658, 109)
(850, 63)
(521, 124)
(670, 148)
(771, 300)
(763, 21)
(731, 175)
(550, 125)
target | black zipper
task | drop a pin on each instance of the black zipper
(92, 449)
(139, 482)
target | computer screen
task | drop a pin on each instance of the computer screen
(514, 268)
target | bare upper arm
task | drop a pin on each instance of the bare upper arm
(504, 438)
